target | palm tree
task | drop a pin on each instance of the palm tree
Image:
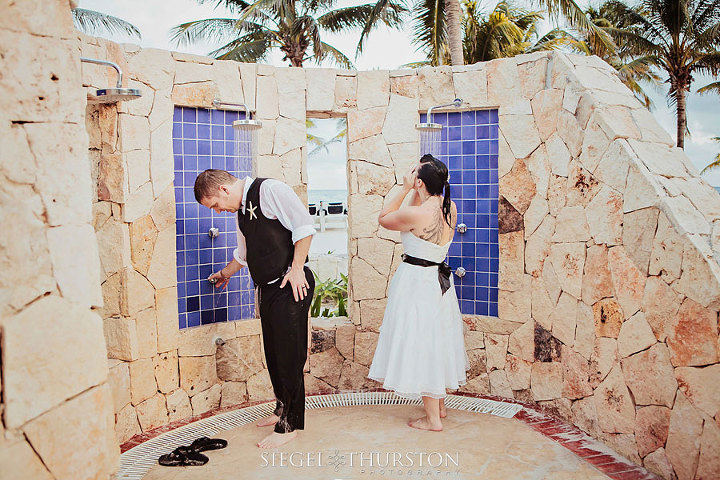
(91, 22)
(433, 30)
(504, 32)
(452, 14)
(679, 37)
(321, 143)
(613, 19)
(293, 26)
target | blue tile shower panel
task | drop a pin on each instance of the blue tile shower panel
(204, 139)
(469, 147)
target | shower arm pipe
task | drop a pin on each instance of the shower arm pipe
(455, 103)
(106, 62)
(219, 103)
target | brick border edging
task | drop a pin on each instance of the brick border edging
(614, 466)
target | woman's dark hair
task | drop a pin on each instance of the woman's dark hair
(434, 175)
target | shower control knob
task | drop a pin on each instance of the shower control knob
(460, 272)
(214, 232)
(461, 228)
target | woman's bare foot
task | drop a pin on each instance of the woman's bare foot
(266, 422)
(443, 410)
(275, 439)
(424, 423)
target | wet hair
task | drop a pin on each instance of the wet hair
(434, 175)
(208, 182)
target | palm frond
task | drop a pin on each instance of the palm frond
(387, 12)
(577, 18)
(206, 30)
(234, 6)
(554, 39)
(335, 55)
(91, 22)
(249, 48)
(345, 18)
(713, 87)
(429, 28)
(716, 161)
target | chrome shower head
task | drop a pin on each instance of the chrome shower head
(112, 95)
(429, 125)
(248, 123)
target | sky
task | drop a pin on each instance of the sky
(388, 50)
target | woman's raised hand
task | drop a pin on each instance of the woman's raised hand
(410, 177)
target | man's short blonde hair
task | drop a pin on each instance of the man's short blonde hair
(208, 182)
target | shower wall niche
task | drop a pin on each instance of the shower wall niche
(202, 139)
(469, 147)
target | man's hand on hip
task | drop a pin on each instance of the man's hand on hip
(298, 282)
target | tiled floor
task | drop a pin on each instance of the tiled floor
(373, 441)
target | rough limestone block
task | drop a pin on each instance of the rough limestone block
(373, 89)
(683, 442)
(226, 75)
(345, 91)
(62, 440)
(291, 92)
(567, 261)
(320, 84)
(520, 133)
(35, 346)
(613, 403)
(436, 86)
(76, 263)
(400, 120)
(471, 87)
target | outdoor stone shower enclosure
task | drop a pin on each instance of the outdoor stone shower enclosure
(607, 281)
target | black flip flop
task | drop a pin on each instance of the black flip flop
(205, 443)
(182, 457)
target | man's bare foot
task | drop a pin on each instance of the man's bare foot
(424, 424)
(266, 422)
(275, 439)
(443, 411)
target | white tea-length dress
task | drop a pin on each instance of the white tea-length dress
(421, 349)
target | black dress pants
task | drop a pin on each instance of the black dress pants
(284, 326)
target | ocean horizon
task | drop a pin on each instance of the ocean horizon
(315, 196)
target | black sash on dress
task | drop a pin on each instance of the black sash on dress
(444, 270)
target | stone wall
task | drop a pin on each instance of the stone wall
(57, 419)
(609, 288)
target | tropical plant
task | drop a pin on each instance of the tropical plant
(503, 32)
(612, 17)
(679, 38)
(292, 26)
(713, 87)
(716, 161)
(333, 290)
(432, 28)
(94, 23)
(454, 32)
(321, 143)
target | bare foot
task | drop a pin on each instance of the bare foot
(275, 439)
(266, 422)
(306, 367)
(443, 411)
(424, 424)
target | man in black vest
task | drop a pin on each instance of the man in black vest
(274, 235)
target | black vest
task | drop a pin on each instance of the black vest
(270, 247)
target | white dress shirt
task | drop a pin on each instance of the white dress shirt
(277, 201)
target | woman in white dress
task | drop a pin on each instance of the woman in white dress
(421, 349)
